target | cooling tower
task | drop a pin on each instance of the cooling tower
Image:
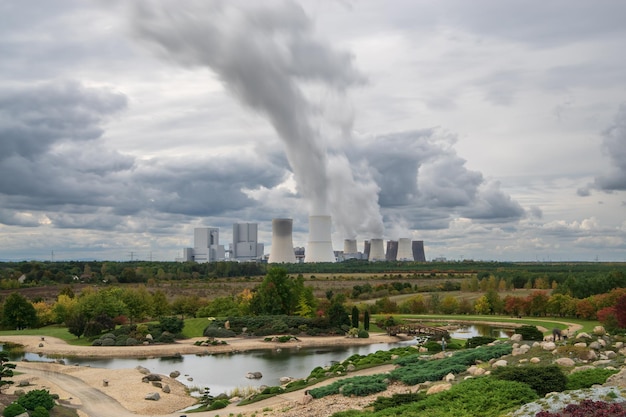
(418, 251)
(405, 252)
(282, 242)
(392, 250)
(349, 246)
(377, 250)
(366, 249)
(319, 247)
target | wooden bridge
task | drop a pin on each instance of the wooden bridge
(417, 330)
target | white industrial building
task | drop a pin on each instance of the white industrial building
(245, 246)
(206, 246)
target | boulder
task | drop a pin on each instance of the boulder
(143, 370)
(285, 380)
(619, 345)
(565, 362)
(548, 346)
(582, 368)
(590, 355)
(583, 335)
(610, 354)
(157, 384)
(151, 377)
(581, 344)
(599, 331)
(19, 392)
(516, 337)
(522, 350)
(617, 380)
(351, 368)
(595, 346)
(449, 378)
(475, 370)
(499, 363)
(254, 375)
(166, 389)
(152, 396)
(23, 383)
(439, 388)
(535, 360)
(174, 374)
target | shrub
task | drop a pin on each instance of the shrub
(215, 332)
(171, 324)
(476, 341)
(529, 332)
(13, 409)
(34, 398)
(39, 411)
(107, 342)
(542, 379)
(589, 377)
(588, 408)
(131, 341)
(96, 342)
(363, 334)
(397, 399)
(166, 337)
(217, 404)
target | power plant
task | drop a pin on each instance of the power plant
(246, 248)
(320, 246)
(282, 242)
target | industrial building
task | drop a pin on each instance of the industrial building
(245, 246)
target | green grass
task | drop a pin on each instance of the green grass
(52, 331)
(547, 322)
(195, 327)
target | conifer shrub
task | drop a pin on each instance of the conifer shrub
(13, 409)
(542, 379)
(35, 398)
(476, 341)
(395, 400)
(589, 377)
(529, 332)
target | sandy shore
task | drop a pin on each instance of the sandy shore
(124, 393)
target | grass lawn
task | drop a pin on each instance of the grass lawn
(547, 322)
(195, 327)
(52, 331)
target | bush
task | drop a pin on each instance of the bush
(166, 337)
(13, 409)
(476, 341)
(529, 332)
(217, 332)
(542, 379)
(363, 334)
(35, 398)
(96, 342)
(217, 404)
(397, 399)
(131, 341)
(171, 324)
(589, 377)
(39, 411)
(107, 342)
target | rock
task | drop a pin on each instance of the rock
(449, 378)
(157, 384)
(516, 337)
(565, 362)
(595, 346)
(41, 345)
(599, 331)
(254, 375)
(23, 384)
(535, 360)
(582, 368)
(617, 380)
(590, 355)
(499, 363)
(523, 361)
(475, 370)
(422, 349)
(602, 343)
(351, 368)
(610, 354)
(536, 344)
(19, 392)
(24, 414)
(439, 388)
(583, 335)
(619, 345)
(285, 380)
(580, 344)
(548, 346)
(522, 350)
(105, 382)
(143, 370)
(604, 362)
(166, 389)
(149, 337)
(60, 361)
(174, 374)
(151, 377)
(152, 396)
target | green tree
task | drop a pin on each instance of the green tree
(481, 305)
(355, 317)
(275, 294)
(160, 306)
(18, 312)
(366, 320)
(138, 303)
(6, 370)
(337, 315)
(76, 323)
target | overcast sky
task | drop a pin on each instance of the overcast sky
(491, 130)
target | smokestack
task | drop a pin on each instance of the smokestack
(377, 250)
(349, 246)
(405, 252)
(392, 250)
(282, 242)
(319, 247)
(418, 251)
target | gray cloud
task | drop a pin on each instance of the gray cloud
(614, 144)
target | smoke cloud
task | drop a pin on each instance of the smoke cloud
(268, 57)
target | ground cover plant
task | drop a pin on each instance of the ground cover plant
(588, 408)
(542, 379)
(588, 377)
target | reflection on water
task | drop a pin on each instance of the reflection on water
(479, 329)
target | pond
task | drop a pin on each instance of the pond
(467, 331)
(226, 371)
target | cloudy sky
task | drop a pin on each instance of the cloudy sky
(491, 130)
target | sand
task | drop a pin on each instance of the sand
(124, 394)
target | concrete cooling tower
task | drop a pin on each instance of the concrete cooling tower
(349, 246)
(377, 250)
(392, 250)
(282, 242)
(418, 251)
(405, 252)
(319, 247)
(366, 249)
